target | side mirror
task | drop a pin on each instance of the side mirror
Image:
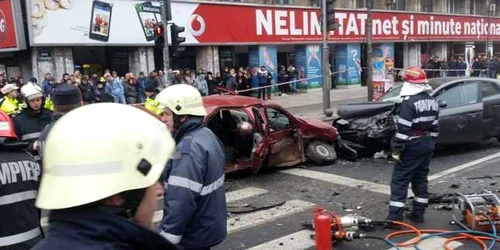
(442, 104)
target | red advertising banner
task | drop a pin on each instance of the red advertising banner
(8, 37)
(225, 23)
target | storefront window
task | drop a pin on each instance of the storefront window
(226, 56)
(427, 6)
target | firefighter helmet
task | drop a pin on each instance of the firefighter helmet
(31, 91)
(182, 99)
(6, 126)
(415, 75)
(129, 153)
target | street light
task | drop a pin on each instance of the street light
(491, 10)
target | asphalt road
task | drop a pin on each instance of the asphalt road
(350, 187)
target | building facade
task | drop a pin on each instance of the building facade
(117, 34)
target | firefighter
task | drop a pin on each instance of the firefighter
(33, 119)
(20, 219)
(103, 195)
(9, 103)
(417, 130)
(65, 97)
(194, 213)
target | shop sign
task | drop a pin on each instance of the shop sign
(85, 22)
(11, 26)
(265, 24)
(44, 55)
(129, 22)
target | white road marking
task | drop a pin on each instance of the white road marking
(244, 193)
(340, 180)
(434, 243)
(244, 221)
(296, 241)
(463, 166)
(232, 196)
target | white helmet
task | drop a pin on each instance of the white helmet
(31, 91)
(121, 148)
(182, 99)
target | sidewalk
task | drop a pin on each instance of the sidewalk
(315, 97)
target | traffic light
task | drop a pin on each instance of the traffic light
(330, 16)
(159, 31)
(176, 39)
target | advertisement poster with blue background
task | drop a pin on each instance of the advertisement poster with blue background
(264, 56)
(313, 70)
(253, 63)
(348, 63)
(268, 56)
(308, 64)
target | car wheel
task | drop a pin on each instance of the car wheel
(321, 153)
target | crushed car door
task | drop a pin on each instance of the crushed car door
(285, 140)
(490, 94)
(461, 120)
(260, 141)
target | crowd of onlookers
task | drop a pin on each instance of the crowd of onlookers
(456, 66)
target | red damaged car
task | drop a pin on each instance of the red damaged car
(259, 134)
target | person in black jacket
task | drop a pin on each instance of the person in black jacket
(66, 98)
(88, 94)
(413, 144)
(100, 198)
(33, 119)
(130, 90)
(20, 219)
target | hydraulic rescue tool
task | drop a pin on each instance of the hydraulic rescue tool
(478, 211)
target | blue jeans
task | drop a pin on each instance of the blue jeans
(293, 85)
(119, 99)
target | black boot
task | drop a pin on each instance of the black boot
(416, 216)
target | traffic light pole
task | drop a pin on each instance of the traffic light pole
(164, 19)
(369, 51)
(324, 56)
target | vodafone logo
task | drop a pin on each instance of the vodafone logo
(196, 25)
(3, 26)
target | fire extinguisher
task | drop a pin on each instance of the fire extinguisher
(322, 229)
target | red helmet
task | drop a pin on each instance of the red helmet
(415, 75)
(6, 126)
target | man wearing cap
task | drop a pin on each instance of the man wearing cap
(9, 103)
(34, 118)
(65, 97)
(414, 141)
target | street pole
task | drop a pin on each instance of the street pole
(324, 56)
(165, 17)
(488, 42)
(369, 50)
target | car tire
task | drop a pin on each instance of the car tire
(321, 153)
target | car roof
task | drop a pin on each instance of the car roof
(215, 101)
(438, 82)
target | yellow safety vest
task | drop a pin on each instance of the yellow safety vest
(10, 106)
(49, 104)
(151, 105)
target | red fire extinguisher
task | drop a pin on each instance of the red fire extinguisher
(322, 229)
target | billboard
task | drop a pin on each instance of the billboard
(11, 26)
(383, 69)
(109, 22)
(130, 22)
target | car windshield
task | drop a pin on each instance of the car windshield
(393, 95)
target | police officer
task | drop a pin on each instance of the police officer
(9, 103)
(194, 213)
(19, 180)
(103, 195)
(417, 129)
(34, 118)
(65, 97)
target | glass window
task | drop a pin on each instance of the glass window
(277, 119)
(361, 4)
(489, 89)
(427, 6)
(460, 95)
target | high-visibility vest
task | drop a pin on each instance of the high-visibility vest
(9, 105)
(49, 104)
(151, 105)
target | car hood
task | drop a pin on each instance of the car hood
(317, 123)
(364, 109)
